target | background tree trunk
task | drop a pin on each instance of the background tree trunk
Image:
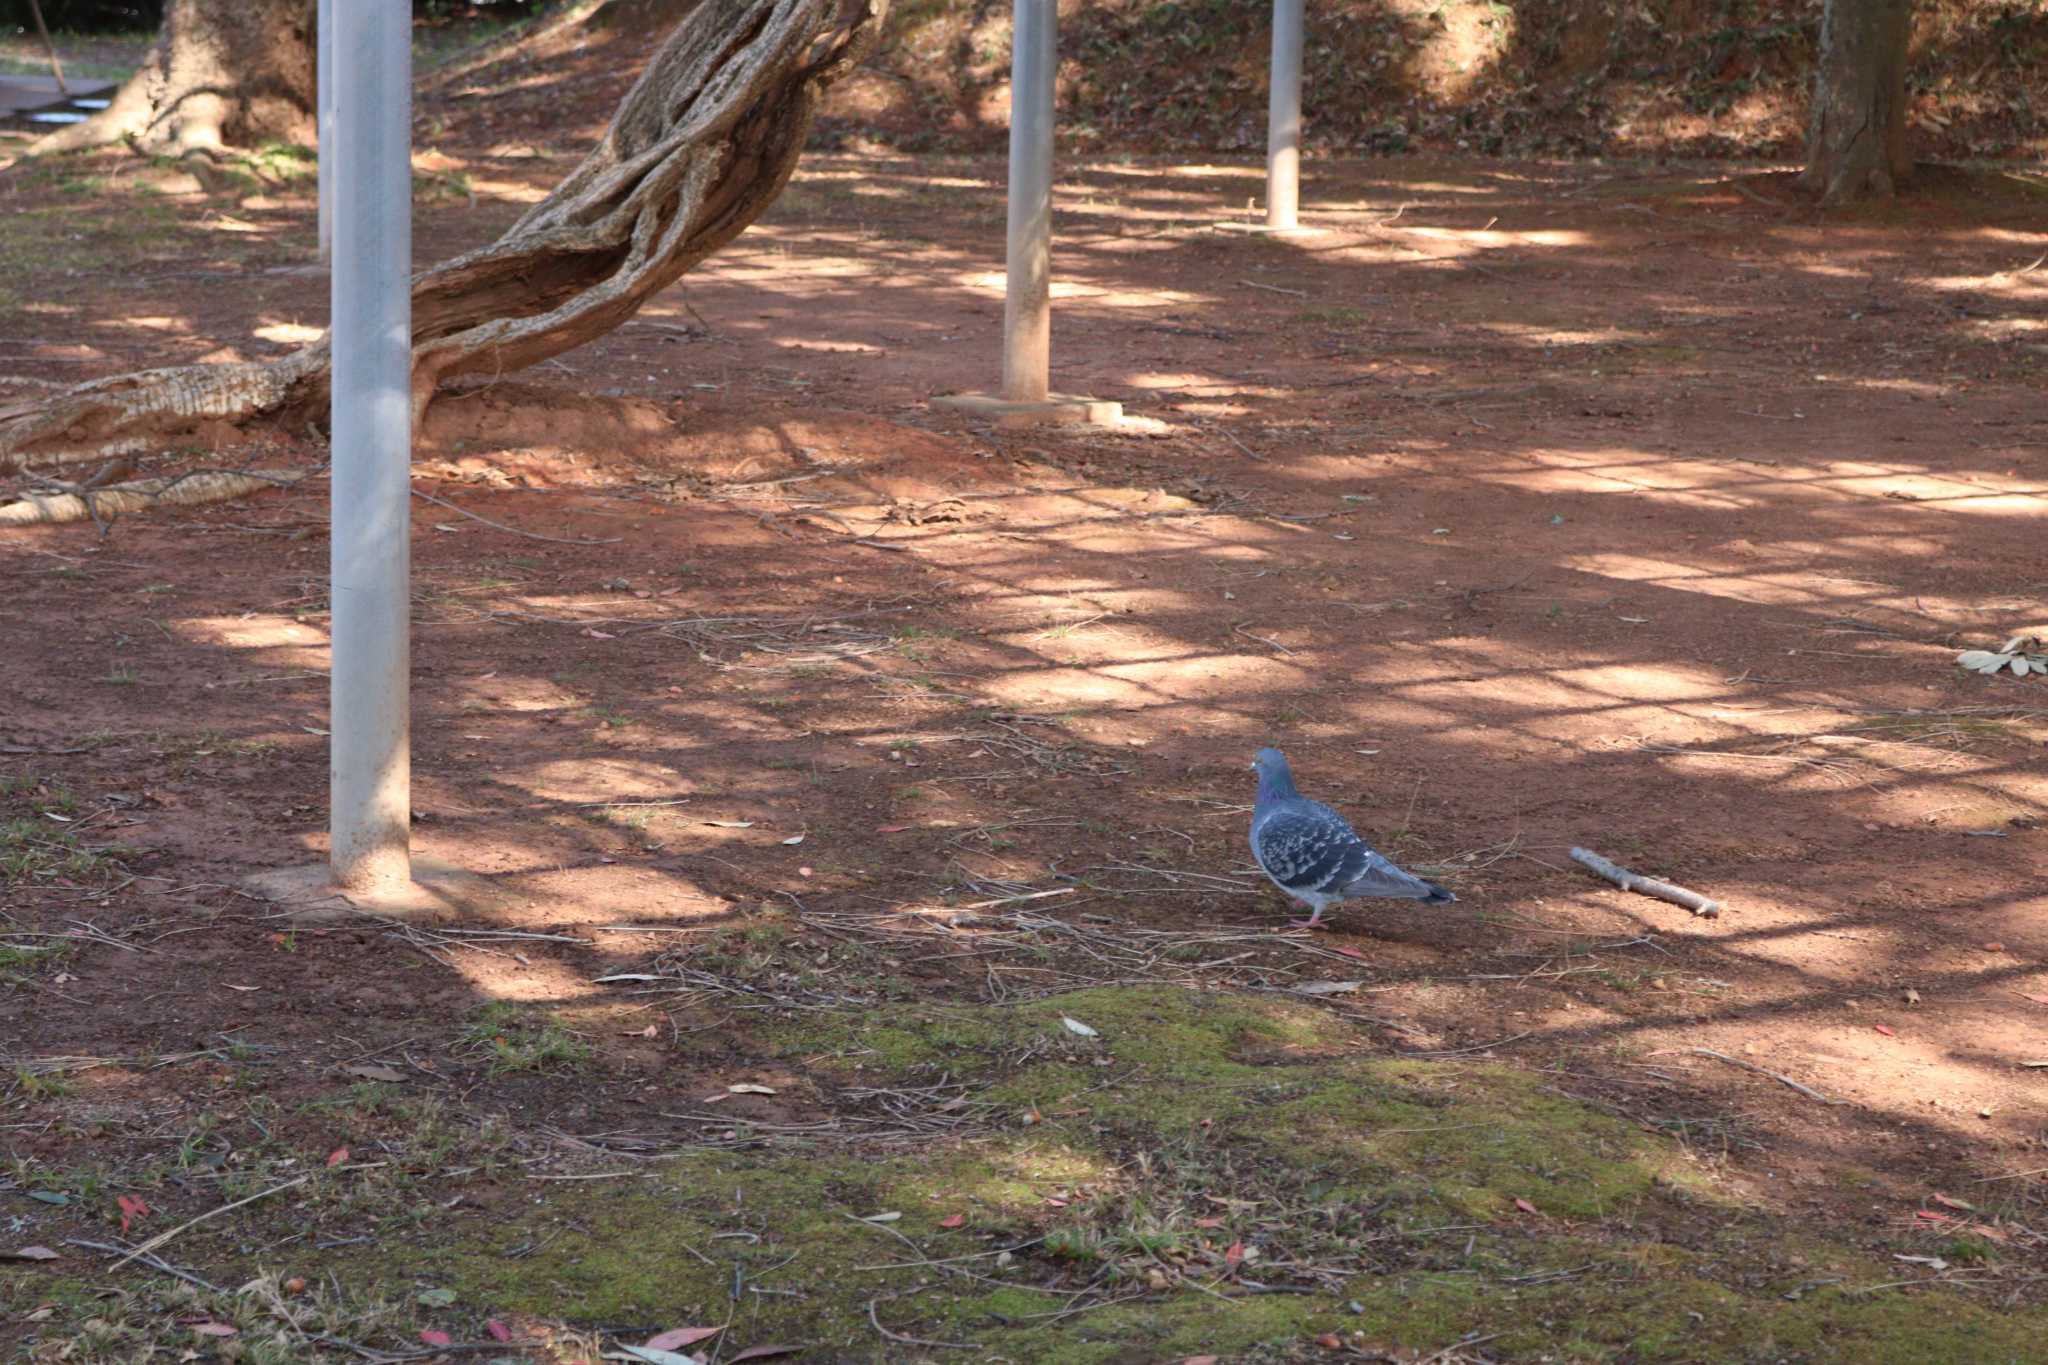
(1856, 143)
(223, 73)
(703, 142)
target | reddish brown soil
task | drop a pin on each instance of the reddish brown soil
(1527, 506)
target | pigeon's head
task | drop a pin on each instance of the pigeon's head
(1275, 778)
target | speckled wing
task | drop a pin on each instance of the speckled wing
(1306, 846)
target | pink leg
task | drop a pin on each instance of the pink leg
(1315, 918)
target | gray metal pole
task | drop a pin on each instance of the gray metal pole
(325, 88)
(1283, 117)
(370, 774)
(1027, 303)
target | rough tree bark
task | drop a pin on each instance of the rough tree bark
(1856, 142)
(703, 142)
(223, 73)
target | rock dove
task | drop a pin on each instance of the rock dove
(1313, 855)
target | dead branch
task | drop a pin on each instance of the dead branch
(1647, 886)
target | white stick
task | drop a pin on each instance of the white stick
(1647, 886)
(1283, 117)
(1027, 300)
(370, 776)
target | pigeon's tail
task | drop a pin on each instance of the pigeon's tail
(1437, 894)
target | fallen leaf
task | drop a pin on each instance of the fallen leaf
(373, 1073)
(498, 1330)
(794, 839)
(1526, 1207)
(434, 1336)
(1350, 952)
(1076, 1026)
(680, 1336)
(953, 1220)
(215, 1329)
(1325, 987)
(29, 1254)
(240, 988)
(131, 1209)
(892, 829)
(337, 1156)
(651, 1031)
(1912, 996)
(594, 634)
(1948, 1202)
(1930, 1216)
(889, 1217)
(1994, 947)
(1329, 1341)
(1885, 1031)
(57, 1197)
(2037, 999)
(436, 1298)
(1208, 1222)
(749, 1088)
(624, 976)
(1233, 1254)
(1201, 1360)
(1931, 1262)
(731, 824)
(763, 1352)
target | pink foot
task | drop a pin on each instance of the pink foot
(1312, 922)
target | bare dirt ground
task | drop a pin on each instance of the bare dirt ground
(1527, 505)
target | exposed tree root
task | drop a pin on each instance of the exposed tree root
(141, 495)
(700, 146)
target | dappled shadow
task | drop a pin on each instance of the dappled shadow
(1527, 507)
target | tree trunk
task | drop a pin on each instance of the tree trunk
(700, 146)
(1856, 144)
(223, 73)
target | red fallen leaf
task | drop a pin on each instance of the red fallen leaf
(1329, 1341)
(131, 1209)
(1056, 1203)
(1884, 1030)
(1349, 952)
(434, 1336)
(498, 1330)
(337, 1156)
(1526, 1207)
(763, 1352)
(680, 1336)
(1954, 1203)
(215, 1329)
(1233, 1254)
(1208, 1222)
(953, 1220)
(1994, 947)
(890, 829)
(1929, 1215)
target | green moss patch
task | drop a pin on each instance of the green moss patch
(1184, 1173)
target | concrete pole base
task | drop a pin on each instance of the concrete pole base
(437, 894)
(1061, 408)
(1298, 230)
